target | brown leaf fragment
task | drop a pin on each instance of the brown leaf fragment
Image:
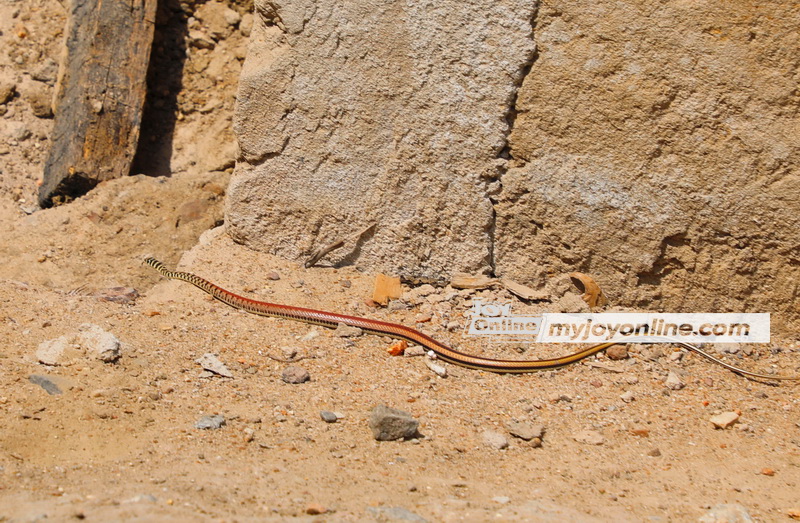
(386, 288)
(398, 348)
(592, 294)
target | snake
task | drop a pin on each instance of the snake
(396, 330)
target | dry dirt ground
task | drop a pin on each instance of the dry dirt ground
(120, 443)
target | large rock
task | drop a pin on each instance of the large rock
(657, 149)
(391, 113)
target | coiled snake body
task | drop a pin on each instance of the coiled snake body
(394, 330)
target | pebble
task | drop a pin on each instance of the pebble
(494, 439)
(674, 381)
(501, 499)
(7, 90)
(724, 420)
(314, 509)
(104, 345)
(453, 326)
(728, 348)
(589, 437)
(397, 305)
(52, 352)
(273, 275)
(437, 369)
(676, 356)
(328, 416)
(214, 422)
(556, 397)
(654, 453)
(726, 513)
(627, 397)
(211, 363)
(345, 331)
(390, 424)
(617, 352)
(416, 350)
(46, 383)
(295, 375)
(526, 431)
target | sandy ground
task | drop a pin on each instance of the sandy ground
(120, 443)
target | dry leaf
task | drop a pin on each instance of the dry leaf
(398, 348)
(592, 294)
(524, 292)
(462, 280)
(386, 288)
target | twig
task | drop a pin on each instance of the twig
(320, 253)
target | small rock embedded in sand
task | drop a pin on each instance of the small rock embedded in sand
(345, 331)
(617, 352)
(46, 383)
(52, 352)
(726, 513)
(724, 420)
(273, 275)
(314, 509)
(328, 416)
(122, 295)
(654, 453)
(396, 514)
(437, 369)
(214, 422)
(295, 375)
(526, 431)
(390, 424)
(674, 381)
(104, 345)
(627, 397)
(416, 350)
(211, 363)
(494, 439)
(589, 437)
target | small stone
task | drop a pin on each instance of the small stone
(346, 331)
(295, 375)
(104, 345)
(728, 348)
(314, 509)
(453, 326)
(726, 513)
(40, 103)
(674, 382)
(724, 420)
(423, 318)
(494, 439)
(654, 453)
(390, 424)
(328, 416)
(767, 472)
(627, 397)
(46, 383)
(652, 353)
(214, 422)
(200, 40)
(416, 350)
(46, 72)
(346, 284)
(526, 431)
(617, 352)
(589, 437)
(397, 305)
(437, 369)
(676, 356)
(556, 397)
(7, 90)
(212, 364)
(501, 499)
(596, 383)
(54, 352)
(273, 275)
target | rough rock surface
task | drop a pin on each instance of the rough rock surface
(653, 148)
(396, 114)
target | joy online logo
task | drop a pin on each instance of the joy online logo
(490, 319)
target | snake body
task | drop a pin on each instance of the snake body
(394, 330)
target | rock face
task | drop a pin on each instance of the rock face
(654, 148)
(391, 113)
